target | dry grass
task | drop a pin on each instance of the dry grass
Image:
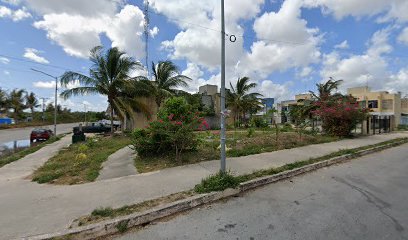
(101, 214)
(238, 144)
(79, 163)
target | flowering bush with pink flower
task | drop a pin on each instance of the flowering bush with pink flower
(339, 115)
(172, 132)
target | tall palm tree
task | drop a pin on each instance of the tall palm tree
(3, 101)
(16, 102)
(109, 76)
(239, 98)
(324, 90)
(31, 102)
(167, 77)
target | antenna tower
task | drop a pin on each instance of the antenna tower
(146, 34)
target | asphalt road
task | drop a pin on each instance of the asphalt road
(362, 199)
(16, 134)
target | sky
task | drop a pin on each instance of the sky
(286, 47)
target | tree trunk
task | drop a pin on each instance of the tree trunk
(111, 116)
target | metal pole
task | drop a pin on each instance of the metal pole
(56, 96)
(223, 138)
(55, 107)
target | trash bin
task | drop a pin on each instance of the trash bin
(79, 135)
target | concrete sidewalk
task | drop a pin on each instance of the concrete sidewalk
(118, 164)
(28, 208)
(26, 165)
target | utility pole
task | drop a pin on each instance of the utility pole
(146, 34)
(43, 107)
(85, 115)
(223, 112)
(55, 100)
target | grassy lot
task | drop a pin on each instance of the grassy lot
(9, 158)
(217, 182)
(239, 143)
(79, 163)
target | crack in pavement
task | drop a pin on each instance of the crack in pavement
(380, 204)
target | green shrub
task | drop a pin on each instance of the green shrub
(172, 132)
(250, 132)
(287, 127)
(403, 127)
(259, 122)
(217, 182)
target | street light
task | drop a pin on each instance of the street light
(223, 112)
(56, 93)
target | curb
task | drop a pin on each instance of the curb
(117, 225)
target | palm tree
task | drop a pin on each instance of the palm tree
(324, 90)
(3, 101)
(16, 100)
(31, 102)
(239, 98)
(167, 77)
(109, 76)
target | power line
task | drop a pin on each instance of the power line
(34, 62)
(228, 34)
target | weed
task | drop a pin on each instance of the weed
(217, 182)
(122, 226)
(102, 212)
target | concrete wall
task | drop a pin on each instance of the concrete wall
(388, 104)
(140, 120)
(208, 89)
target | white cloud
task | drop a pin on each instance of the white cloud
(398, 82)
(370, 68)
(202, 45)
(286, 41)
(51, 85)
(387, 9)
(15, 15)
(75, 7)
(278, 91)
(195, 73)
(46, 85)
(77, 33)
(4, 60)
(342, 45)
(154, 31)
(6, 72)
(33, 54)
(306, 71)
(403, 37)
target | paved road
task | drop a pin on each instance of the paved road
(362, 199)
(15, 134)
(48, 208)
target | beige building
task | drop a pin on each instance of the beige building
(382, 104)
(283, 108)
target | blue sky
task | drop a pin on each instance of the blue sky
(286, 47)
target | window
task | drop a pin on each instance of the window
(387, 104)
(372, 104)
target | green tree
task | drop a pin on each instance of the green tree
(16, 102)
(240, 100)
(108, 76)
(324, 90)
(167, 78)
(3, 101)
(31, 102)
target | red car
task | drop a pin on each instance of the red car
(40, 134)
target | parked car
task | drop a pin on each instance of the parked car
(40, 134)
(93, 128)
